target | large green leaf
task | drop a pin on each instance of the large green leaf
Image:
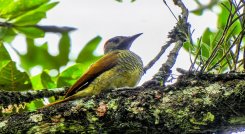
(87, 53)
(4, 56)
(34, 16)
(64, 49)
(19, 7)
(7, 34)
(30, 19)
(205, 50)
(42, 80)
(39, 55)
(31, 32)
(206, 36)
(12, 79)
(223, 16)
(4, 4)
(70, 75)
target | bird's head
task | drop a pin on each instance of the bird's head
(120, 43)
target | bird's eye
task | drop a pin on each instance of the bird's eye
(114, 40)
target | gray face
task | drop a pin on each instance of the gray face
(120, 43)
(115, 43)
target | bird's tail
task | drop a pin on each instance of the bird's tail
(83, 93)
(57, 102)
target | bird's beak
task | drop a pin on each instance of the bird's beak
(128, 42)
(132, 38)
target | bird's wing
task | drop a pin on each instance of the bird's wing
(103, 64)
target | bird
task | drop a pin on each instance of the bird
(119, 67)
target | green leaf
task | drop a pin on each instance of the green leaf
(39, 55)
(4, 56)
(30, 19)
(19, 7)
(34, 105)
(12, 79)
(4, 4)
(206, 36)
(34, 16)
(47, 81)
(214, 39)
(205, 50)
(119, 0)
(64, 49)
(198, 11)
(70, 75)
(223, 15)
(36, 82)
(7, 34)
(86, 55)
(31, 32)
(42, 80)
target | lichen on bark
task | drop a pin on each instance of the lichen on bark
(192, 104)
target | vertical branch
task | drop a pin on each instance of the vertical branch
(178, 35)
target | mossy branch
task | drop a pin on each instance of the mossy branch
(193, 104)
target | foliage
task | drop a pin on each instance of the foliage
(21, 17)
(218, 50)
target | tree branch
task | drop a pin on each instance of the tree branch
(191, 105)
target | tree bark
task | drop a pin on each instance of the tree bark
(194, 104)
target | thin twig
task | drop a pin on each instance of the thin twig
(53, 29)
(165, 71)
(221, 41)
(197, 55)
(152, 62)
(179, 34)
(164, 1)
(240, 34)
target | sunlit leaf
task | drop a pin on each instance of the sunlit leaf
(34, 16)
(31, 32)
(4, 4)
(47, 81)
(206, 36)
(37, 55)
(34, 105)
(188, 47)
(30, 19)
(12, 79)
(119, 0)
(20, 7)
(7, 34)
(214, 39)
(70, 75)
(64, 49)
(42, 81)
(4, 56)
(87, 53)
(205, 50)
(198, 11)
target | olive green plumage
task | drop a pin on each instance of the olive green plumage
(126, 73)
(119, 67)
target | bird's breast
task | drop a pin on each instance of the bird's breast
(126, 73)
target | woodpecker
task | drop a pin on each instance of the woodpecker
(119, 67)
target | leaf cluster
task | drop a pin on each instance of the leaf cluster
(21, 17)
(220, 50)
